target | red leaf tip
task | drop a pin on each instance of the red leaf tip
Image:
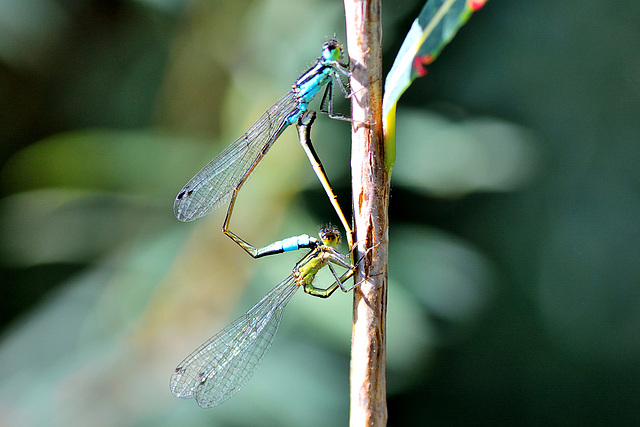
(475, 5)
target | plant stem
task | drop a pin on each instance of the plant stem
(370, 191)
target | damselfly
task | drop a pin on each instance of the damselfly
(225, 363)
(222, 178)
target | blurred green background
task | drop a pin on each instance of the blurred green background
(513, 294)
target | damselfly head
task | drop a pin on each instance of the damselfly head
(330, 235)
(332, 50)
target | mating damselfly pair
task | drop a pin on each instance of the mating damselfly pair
(222, 365)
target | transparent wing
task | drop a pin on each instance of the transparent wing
(225, 363)
(212, 186)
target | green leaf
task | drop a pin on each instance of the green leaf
(436, 25)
